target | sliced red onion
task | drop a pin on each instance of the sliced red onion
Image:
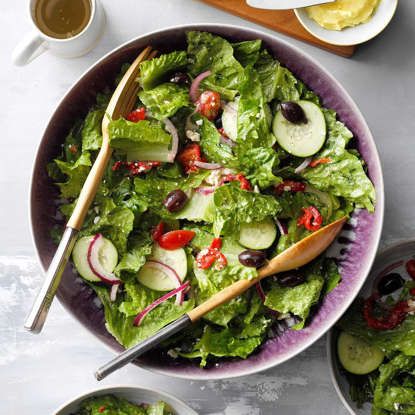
(190, 125)
(205, 190)
(175, 139)
(194, 88)
(384, 272)
(207, 166)
(260, 291)
(282, 227)
(113, 292)
(177, 291)
(227, 141)
(303, 165)
(94, 263)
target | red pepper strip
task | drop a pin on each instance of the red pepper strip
(135, 167)
(395, 317)
(137, 115)
(323, 160)
(157, 231)
(208, 256)
(101, 409)
(244, 182)
(290, 186)
(311, 219)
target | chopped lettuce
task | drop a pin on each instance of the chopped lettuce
(253, 115)
(296, 300)
(165, 100)
(156, 70)
(92, 131)
(210, 52)
(127, 136)
(235, 206)
(247, 52)
(277, 82)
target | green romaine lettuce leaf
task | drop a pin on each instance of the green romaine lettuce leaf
(165, 100)
(254, 116)
(212, 147)
(296, 300)
(210, 52)
(119, 315)
(257, 164)
(92, 130)
(247, 52)
(156, 70)
(277, 82)
(127, 136)
(235, 206)
(76, 173)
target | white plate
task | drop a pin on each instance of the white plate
(132, 394)
(351, 35)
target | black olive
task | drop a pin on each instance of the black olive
(175, 200)
(290, 279)
(218, 122)
(293, 112)
(390, 283)
(180, 78)
(251, 258)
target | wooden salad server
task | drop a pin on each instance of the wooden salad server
(121, 103)
(294, 257)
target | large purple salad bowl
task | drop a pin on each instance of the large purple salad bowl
(354, 250)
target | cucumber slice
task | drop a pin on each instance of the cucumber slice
(199, 208)
(158, 280)
(357, 356)
(258, 235)
(108, 257)
(301, 140)
(230, 119)
(152, 152)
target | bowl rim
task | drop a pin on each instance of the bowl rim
(332, 333)
(124, 387)
(378, 225)
(300, 18)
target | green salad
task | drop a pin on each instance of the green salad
(226, 161)
(113, 405)
(376, 346)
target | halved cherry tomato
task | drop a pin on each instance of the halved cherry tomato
(323, 160)
(311, 219)
(188, 156)
(245, 185)
(138, 114)
(290, 186)
(158, 231)
(208, 104)
(412, 291)
(101, 409)
(410, 268)
(175, 239)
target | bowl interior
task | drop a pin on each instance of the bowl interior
(354, 250)
(132, 394)
(390, 256)
(352, 35)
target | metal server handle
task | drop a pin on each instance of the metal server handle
(37, 316)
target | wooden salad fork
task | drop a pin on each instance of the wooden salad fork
(294, 257)
(121, 103)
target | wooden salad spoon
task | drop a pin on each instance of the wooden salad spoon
(294, 257)
(121, 103)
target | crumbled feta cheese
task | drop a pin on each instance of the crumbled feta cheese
(173, 353)
(214, 177)
(256, 189)
(96, 209)
(227, 171)
(96, 219)
(199, 122)
(192, 135)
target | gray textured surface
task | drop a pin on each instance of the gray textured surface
(38, 373)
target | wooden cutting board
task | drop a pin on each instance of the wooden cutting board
(283, 21)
